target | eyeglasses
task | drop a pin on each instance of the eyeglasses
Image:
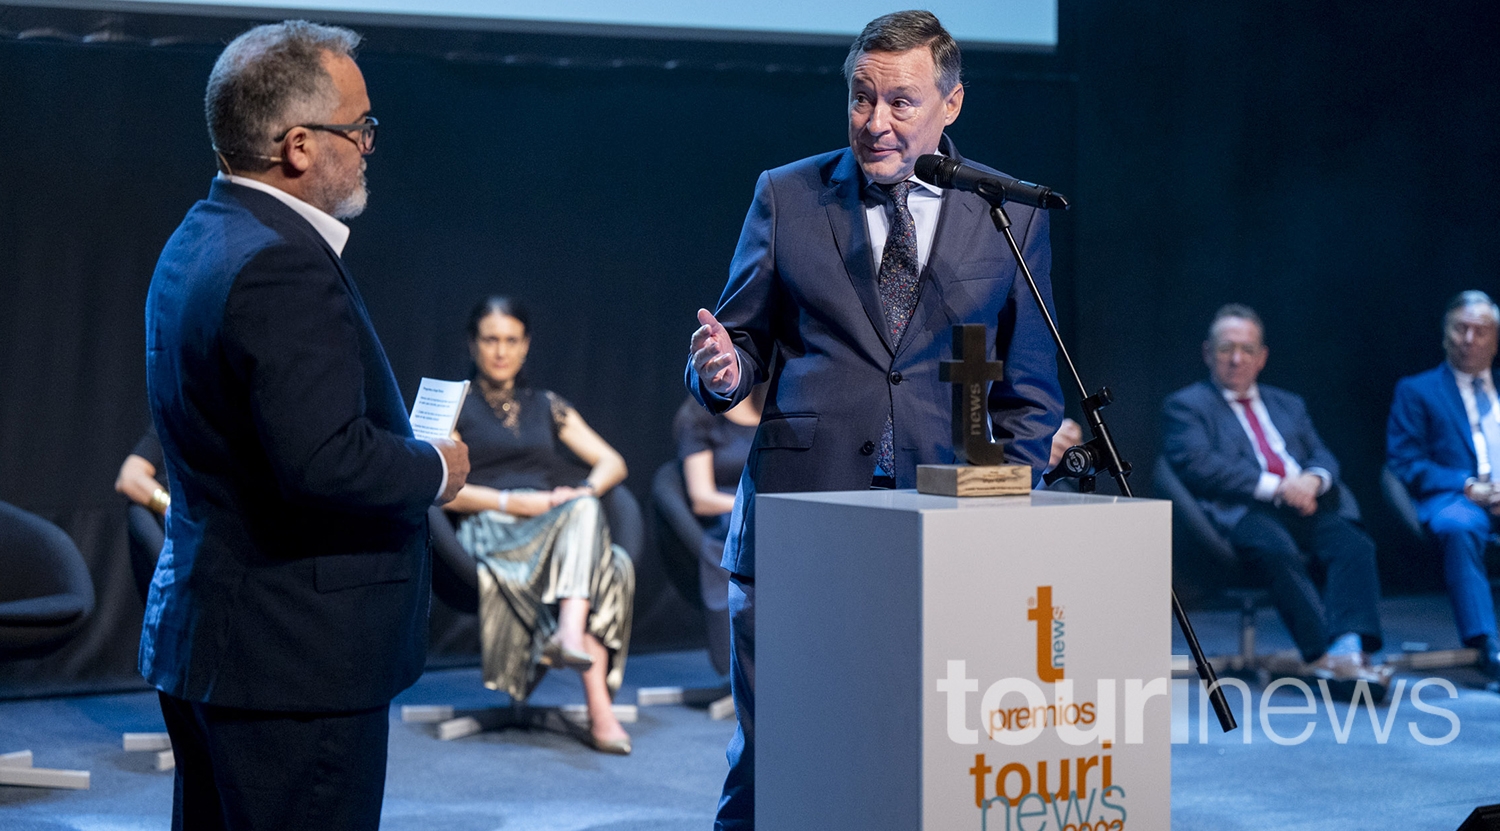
(366, 127)
(1225, 349)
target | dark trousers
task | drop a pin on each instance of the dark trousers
(1462, 529)
(1287, 549)
(254, 769)
(737, 804)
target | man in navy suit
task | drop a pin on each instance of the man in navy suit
(1250, 456)
(847, 278)
(1443, 443)
(289, 604)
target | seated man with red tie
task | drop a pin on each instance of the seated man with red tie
(1250, 456)
(1443, 443)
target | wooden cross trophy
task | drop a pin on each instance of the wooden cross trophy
(979, 471)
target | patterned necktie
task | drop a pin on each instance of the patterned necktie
(897, 282)
(1487, 424)
(1273, 461)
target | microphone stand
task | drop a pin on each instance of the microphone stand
(1084, 461)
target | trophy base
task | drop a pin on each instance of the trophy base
(974, 480)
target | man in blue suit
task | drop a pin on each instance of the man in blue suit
(289, 604)
(1443, 443)
(1250, 455)
(847, 278)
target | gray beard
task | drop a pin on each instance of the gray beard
(353, 203)
(344, 202)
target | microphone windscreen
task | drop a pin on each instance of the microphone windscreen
(928, 167)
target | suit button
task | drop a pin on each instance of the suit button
(867, 448)
(895, 377)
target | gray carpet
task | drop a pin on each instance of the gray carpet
(519, 780)
(1362, 782)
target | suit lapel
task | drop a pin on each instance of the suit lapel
(847, 219)
(1448, 382)
(1281, 420)
(1229, 423)
(956, 226)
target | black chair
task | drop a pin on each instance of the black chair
(46, 596)
(1205, 565)
(455, 581)
(1399, 500)
(47, 593)
(680, 551)
(683, 530)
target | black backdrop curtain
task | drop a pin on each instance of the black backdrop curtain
(601, 180)
(1331, 164)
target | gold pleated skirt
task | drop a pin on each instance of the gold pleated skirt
(525, 567)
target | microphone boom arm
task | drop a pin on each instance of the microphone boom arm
(1100, 453)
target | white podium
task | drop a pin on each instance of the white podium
(940, 663)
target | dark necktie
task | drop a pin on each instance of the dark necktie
(897, 282)
(1273, 461)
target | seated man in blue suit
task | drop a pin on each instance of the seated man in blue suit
(1443, 443)
(289, 603)
(1249, 454)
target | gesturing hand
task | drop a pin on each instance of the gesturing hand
(714, 358)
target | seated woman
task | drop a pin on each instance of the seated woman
(138, 482)
(713, 450)
(539, 534)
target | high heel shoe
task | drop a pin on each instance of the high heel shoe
(584, 733)
(555, 655)
(618, 747)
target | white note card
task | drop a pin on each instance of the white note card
(437, 406)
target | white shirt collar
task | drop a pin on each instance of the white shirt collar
(334, 232)
(926, 188)
(1230, 395)
(1467, 380)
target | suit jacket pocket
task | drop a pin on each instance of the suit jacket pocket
(335, 572)
(988, 268)
(790, 431)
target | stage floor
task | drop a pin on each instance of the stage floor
(1336, 778)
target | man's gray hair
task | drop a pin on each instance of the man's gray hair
(1465, 299)
(268, 79)
(1239, 310)
(904, 31)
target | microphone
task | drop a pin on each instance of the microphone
(951, 173)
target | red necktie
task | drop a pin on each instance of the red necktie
(1273, 461)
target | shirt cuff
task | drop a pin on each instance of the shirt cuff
(443, 482)
(1265, 489)
(1321, 474)
(714, 396)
